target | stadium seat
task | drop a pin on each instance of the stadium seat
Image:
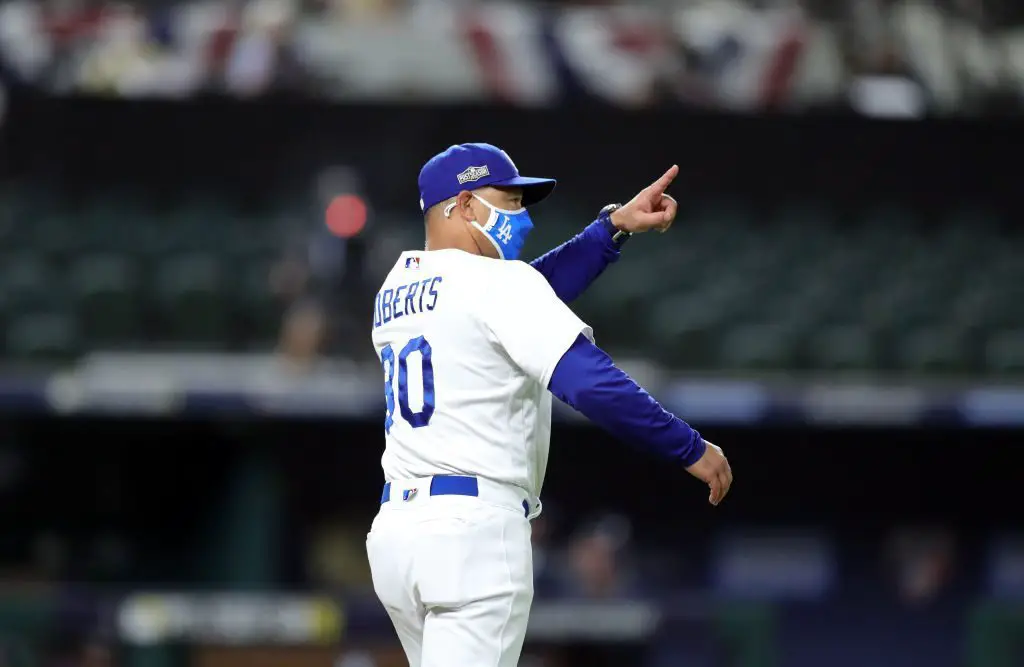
(796, 287)
(57, 238)
(685, 330)
(28, 282)
(107, 300)
(42, 337)
(259, 314)
(986, 304)
(930, 350)
(253, 238)
(190, 291)
(843, 348)
(771, 346)
(194, 225)
(1004, 352)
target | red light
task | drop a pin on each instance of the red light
(346, 216)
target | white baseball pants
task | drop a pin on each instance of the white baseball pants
(455, 573)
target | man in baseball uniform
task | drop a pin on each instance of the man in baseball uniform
(473, 343)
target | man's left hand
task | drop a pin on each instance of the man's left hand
(650, 209)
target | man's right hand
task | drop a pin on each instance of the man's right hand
(714, 469)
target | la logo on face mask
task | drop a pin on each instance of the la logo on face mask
(505, 230)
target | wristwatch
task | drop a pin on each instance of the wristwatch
(619, 236)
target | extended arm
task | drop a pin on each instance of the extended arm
(573, 266)
(549, 343)
(588, 380)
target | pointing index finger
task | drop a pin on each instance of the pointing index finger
(666, 179)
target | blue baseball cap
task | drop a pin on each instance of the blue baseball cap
(472, 166)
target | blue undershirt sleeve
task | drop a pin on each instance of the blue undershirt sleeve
(573, 266)
(587, 379)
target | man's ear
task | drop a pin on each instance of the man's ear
(463, 202)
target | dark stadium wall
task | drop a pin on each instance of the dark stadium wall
(164, 476)
(598, 156)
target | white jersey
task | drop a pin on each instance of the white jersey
(467, 345)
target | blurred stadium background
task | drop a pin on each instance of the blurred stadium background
(198, 200)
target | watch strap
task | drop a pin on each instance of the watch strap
(619, 236)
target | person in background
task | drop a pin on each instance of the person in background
(337, 559)
(597, 566)
(303, 334)
(921, 563)
(319, 279)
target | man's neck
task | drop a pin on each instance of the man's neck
(463, 242)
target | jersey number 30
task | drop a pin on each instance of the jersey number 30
(387, 362)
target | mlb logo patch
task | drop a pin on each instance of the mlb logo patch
(412, 263)
(408, 494)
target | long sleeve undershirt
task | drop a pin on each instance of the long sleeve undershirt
(571, 267)
(587, 379)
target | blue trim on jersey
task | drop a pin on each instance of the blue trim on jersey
(571, 267)
(587, 379)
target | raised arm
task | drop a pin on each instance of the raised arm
(587, 379)
(571, 267)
